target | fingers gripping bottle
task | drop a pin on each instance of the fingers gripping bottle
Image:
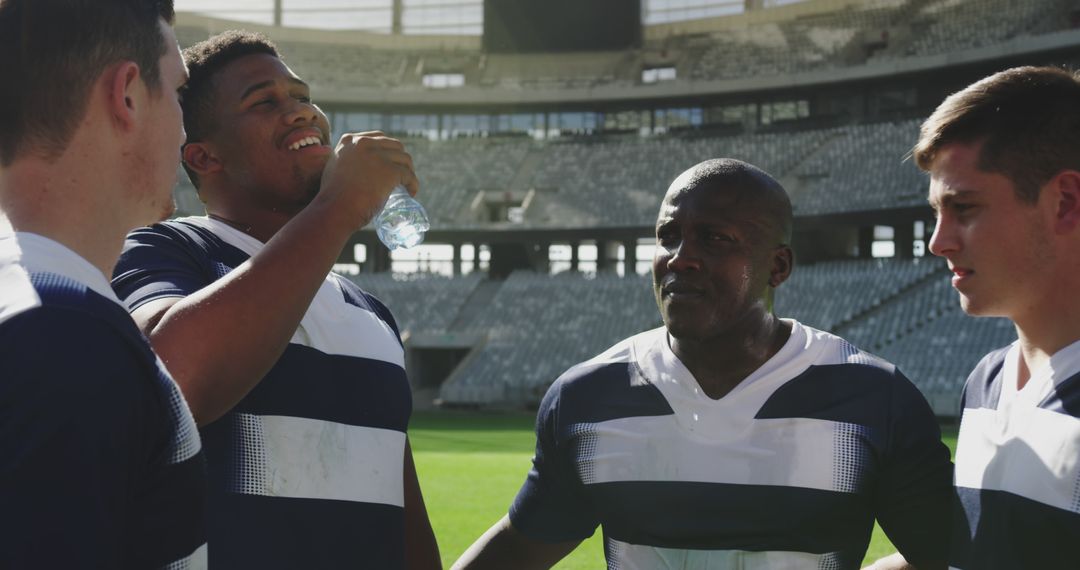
(402, 221)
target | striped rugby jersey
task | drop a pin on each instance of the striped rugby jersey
(306, 471)
(787, 471)
(1017, 479)
(100, 462)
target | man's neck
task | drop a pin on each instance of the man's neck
(719, 364)
(1047, 330)
(55, 202)
(260, 225)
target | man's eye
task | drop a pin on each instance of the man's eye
(718, 237)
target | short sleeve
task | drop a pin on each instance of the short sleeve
(158, 262)
(76, 438)
(914, 496)
(551, 505)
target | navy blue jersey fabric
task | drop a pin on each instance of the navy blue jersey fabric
(99, 463)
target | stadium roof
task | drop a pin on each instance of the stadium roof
(427, 17)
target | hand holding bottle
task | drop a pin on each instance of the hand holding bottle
(402, 221)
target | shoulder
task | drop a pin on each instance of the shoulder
(599, 368)
(840, 382)
(832, 350)
(360, 298)
(356, 296)
(983, 386)
(184, 235)
(19, 292)
(609, 385)
(63, 303)
(82, 348)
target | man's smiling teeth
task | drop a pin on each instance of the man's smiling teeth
(304, 142)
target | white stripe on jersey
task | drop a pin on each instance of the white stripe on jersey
(315, 459)
(333, 326)
(626, 556)
(330, 325)
(786, 452)
(1031, 452)
(19, 293)
(195, 561)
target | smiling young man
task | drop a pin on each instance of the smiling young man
(1004, 161)
(728, 438)
(295, 375)
(100, 462)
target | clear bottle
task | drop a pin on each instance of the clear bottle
(402, 221)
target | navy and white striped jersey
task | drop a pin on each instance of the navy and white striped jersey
(787, 471)
(1018, 465)
(100, 462)
(306, 471)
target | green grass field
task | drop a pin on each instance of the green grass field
(471, 465)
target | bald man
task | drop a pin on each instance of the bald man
(729, 437)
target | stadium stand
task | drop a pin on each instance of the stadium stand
(453, 172)
(537, 326)
(872, 31)
(617, 180)
(420, 302)
(859, 167)
(944, 26)
(830, 294)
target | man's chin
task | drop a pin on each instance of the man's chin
(682, 330)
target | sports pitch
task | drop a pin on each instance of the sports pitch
(471, 465)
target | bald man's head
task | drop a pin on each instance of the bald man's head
(749, 186)
(722, 249)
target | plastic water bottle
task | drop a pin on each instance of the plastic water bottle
(402, 220)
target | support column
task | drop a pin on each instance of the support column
(574, 245)
(904, 240)
(866, 242)
(379, 257)
(630, 257)
(603, 256)
(455, 259)
(395, 26)
(543, 257)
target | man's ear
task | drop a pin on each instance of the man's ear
(199, 157)
(783, 263)
(126, 93)
(1066, 195)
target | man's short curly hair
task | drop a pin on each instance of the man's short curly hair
(204, 60)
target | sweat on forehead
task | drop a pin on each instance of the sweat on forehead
(748, 184)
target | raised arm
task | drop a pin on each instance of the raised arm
(221, 340)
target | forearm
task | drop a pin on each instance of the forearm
(502, 546)
(219, 342)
